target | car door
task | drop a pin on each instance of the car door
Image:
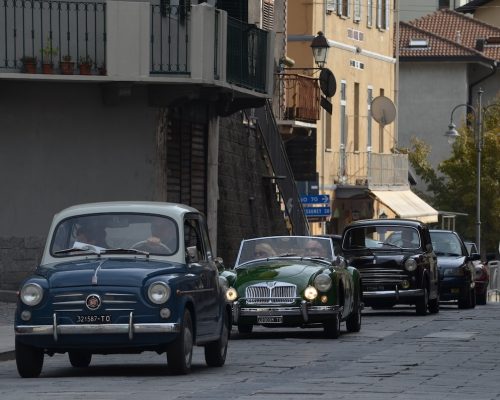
(202, 265)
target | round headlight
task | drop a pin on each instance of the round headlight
(231, 294)
(410, 265)
(159, 292)
(310, 293)
(323, 282)
(31, 294)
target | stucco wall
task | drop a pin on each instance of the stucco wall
(428, 94)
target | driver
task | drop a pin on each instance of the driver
(163, 232)
(314, 248)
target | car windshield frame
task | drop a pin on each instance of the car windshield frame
(114, 233)
(310, 247)
(448, 244)
(383, 236)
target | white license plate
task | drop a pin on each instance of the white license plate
(265, 319)
(93, 319)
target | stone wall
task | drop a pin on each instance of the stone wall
(248, 202)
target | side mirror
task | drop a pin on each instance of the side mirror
(475, 257)
(192, 254)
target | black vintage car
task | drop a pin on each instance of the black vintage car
(396, 261)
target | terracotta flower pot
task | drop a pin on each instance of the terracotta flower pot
(85, 69)
(47, 68)
(67, 67)
(29, 67)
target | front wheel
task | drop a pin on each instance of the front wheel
(331, 327)
(80, 359)
(353, 322)
(481, 298)
(422, 303)
(434, 305)
(29, 360)
(215, 352)
(180, 351)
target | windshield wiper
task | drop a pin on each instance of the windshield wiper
(391, 245)
(120, 250)
(84, 250)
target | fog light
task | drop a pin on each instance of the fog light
(165, 313)
(26, 315)
(310, 293)
(405, 284)
(324, 299)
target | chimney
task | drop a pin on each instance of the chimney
(458, 38)
(480, 44)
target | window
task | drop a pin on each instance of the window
(418, 43)
(343, 8)
(356, 116)
(357, 10)
(369, 13)
(383, 10)
(330, 6)
(369, 127)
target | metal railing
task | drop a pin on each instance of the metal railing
(370, 169)
(170, 25)
(52, 31)
(246, 55)
(299, 98)
(266, 125)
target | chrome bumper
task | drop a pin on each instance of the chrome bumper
(393, 294)
(90, 329)
(304, 310)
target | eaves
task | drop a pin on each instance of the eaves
(467, 59)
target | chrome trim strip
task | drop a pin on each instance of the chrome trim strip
(394, 293)
(309, 310)
(54, 326)
(181, 292)
(96, 329)
(69, 309)
(130, 326)
(69, 302)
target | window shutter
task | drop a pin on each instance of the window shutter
(357, 10)
(387, 13)
(268, 15)
(339, 7)
(330, 5)
(369, 13)
(379, 13)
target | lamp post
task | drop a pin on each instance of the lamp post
(452, 134)
(320, 47)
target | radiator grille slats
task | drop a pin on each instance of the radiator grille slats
(382, 275)
(271, 293)
(76, 301)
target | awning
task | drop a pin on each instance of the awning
(407, 204)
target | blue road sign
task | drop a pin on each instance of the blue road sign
(315, 199)
(317, 211)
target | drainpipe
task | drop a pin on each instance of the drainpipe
(494, 68)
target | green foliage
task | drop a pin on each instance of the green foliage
(49, 51)
(453, 186)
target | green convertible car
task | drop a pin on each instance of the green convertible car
(293, 281)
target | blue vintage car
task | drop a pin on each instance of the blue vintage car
(123, 277)
(294, 281)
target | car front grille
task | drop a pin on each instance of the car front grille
(111, 301)
(271, 293)
(382, 276)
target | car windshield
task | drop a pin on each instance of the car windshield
(84, 234)
(383, 236)
(446, 244)
(285, 246)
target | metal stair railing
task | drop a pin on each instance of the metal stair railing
(266, 124)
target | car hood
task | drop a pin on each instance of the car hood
(450, 262)
(105, 272)
(298, 273)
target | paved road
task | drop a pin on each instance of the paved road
(397, 355)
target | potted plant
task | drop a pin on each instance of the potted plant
(48, 53)
(102, 69)
(85, 65)
(29, 64)
(67, 66)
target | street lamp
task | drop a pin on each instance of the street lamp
(320, 47)
(452, 134)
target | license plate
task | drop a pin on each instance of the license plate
(455, 291)
(264, 319)
(93, 319)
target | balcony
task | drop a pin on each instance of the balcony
(299, 100)
(135, 41)
(370, 169)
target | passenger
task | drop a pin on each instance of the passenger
(314, 248)
(91, 234)
(264, 250)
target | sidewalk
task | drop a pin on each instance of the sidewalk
(7, 309)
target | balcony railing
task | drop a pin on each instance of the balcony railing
(247, 63)
(299, 98)
(52, 31)
(370, 169)
(150, 41)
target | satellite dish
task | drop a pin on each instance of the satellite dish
(327, 82)
(383, 110)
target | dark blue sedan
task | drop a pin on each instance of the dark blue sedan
(456, 268)
(123, 278)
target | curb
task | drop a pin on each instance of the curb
(8, 296)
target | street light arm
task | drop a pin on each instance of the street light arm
(468, 106)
